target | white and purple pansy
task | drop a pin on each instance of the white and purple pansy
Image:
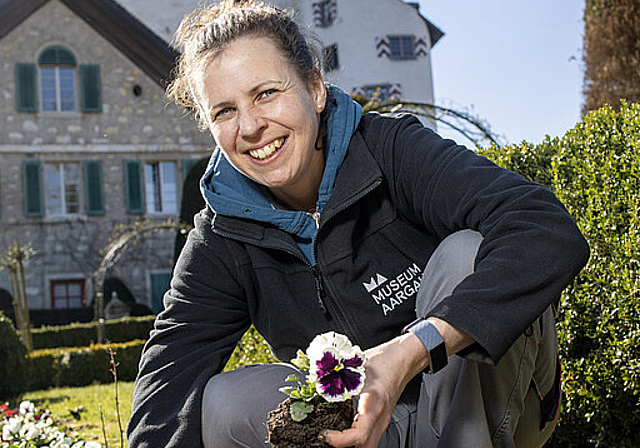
(336, 367)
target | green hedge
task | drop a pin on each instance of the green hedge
(80, 366)
(12, 360)
(84, 334)
(252, 349)
(595, 170)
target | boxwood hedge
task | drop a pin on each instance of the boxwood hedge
(83, 334)
(595, 170)
(12, 360)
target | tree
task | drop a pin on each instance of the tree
(611, 53)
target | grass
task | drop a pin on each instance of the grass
(60, 401)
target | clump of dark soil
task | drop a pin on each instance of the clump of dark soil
(284, 432)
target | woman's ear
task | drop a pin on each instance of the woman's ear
(319, 92)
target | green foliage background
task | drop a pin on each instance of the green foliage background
(595, 169)
(12, 359)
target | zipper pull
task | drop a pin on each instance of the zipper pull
(316, 217)
(320, 291)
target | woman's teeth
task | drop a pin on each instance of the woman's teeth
(267, 150)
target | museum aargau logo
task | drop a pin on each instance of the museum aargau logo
(390, 294)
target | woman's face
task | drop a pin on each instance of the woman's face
(265, 117)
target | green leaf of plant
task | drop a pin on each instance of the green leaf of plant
(292, 377)
(301, 361)
(299, 410)
(289, 390)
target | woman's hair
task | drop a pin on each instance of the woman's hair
(208, 31)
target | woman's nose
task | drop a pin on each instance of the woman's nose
(250, 124)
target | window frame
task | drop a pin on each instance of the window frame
(402, 38)
(330, 54)
(67, 282)
(58, 89)
(326, 19)
(159, 188)
(63, 191)
(374, 87)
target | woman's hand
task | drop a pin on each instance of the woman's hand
(389, 367)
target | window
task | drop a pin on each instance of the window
(324, 13)
(67, 294)
(57, 80)
(56, 188)
(57, 84)
(380, 92)
(161, 186)
(330, 55)
(401, 47)
(62, 188)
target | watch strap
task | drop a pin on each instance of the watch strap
(432, 342)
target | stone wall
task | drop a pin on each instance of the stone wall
(130, 126)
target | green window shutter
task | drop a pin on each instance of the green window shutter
(32, 188)
(133, 186)
(90, 87)
(57, 55)
(26, 88)
(159, 285)
(93, 191)
(187, 164)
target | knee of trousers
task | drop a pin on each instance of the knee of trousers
(451, 262)
(235, 405)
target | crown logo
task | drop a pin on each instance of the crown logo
(374, 282)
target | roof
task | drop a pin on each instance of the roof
(435, 33)
(126, 33)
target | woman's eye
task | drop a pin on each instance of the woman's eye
(267, 93)
(223, 112)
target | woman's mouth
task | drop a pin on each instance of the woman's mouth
(267, 150)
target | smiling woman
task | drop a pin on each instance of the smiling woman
(314, 211)
(265, 118)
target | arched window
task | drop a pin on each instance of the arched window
(57, 80)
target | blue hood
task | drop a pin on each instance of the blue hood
(230, 193)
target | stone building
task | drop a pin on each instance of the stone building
(87, 142)
(369, 46)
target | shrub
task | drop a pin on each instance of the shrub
(80, 366)
(595, 170)
(84, 334)
(252, 349)
(12, 360)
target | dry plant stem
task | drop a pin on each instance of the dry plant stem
(114, 372)
(104, 430)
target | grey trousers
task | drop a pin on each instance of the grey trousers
(467, 404)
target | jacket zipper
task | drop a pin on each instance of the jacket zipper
(321, 288)
(319, 283)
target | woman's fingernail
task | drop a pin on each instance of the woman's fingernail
(322, 436)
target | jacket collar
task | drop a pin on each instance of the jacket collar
(358, 175)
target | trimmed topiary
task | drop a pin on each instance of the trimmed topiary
(595, 170)
(13, 361)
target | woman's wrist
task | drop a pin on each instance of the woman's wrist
(414, 354)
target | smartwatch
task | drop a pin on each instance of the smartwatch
(432, 341)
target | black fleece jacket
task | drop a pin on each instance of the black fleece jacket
(400, 190)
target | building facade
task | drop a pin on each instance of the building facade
(87, 143)
(368, 47)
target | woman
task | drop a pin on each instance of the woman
(319, 218)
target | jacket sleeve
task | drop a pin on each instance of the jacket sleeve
(532, 248)
(204, 317)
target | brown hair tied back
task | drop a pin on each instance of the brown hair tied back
(208, 31)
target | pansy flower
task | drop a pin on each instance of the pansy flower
(336, 367)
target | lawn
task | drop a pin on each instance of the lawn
(61, 401)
